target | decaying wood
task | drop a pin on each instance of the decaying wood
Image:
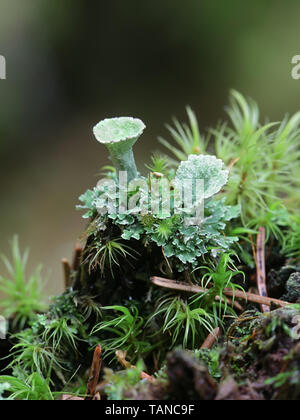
(94, 373)
(237, 294)
(66, 272)
(212, 338)
(77, 257)
(121, 356)
(261, 267)
(68, 269)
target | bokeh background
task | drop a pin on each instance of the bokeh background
(71, 63)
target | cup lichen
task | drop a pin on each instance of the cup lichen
(119, 136)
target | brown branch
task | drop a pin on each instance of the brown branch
(121, 356)
(94, 373)
(261, 266)
(237, 294)
(232, 303)
(212, 338)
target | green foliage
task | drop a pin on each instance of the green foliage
(159, 164)
(251, 182)
(184, 243)
(31, 354)
(50, 350)
(23, 297)
(263, 159)
(88, 199)
(187, 137)
(275, 219)
(217, 279)
(118, 383)
(164, 229)
(184, 322)
(283, 378)
(188, 321)
(291, 245)
(109, 254)
(60, 335)
(89, 307)
(278, 325)
(211, 358)
(191, 243)
(267, 167)
(31, 388)
(50, 346)
(126, 331)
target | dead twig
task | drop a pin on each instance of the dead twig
(94, 374)
(261, 267)
(121, 356)
(97, 397)
(68, 397)
(236, 294)
(212, 338)
(232, 163)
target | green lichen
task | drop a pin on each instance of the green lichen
(119, 135)
(207, 168)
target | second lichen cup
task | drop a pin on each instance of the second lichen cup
(119, 135)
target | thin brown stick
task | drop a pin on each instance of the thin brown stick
(121, 356)
(232, 163)
(94, 373)
(66, 272)
(212, 338)
(237, 294)
(97, 397)
(261, 266)
(68, 397)
(234, 304)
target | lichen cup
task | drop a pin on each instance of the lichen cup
(119, 135)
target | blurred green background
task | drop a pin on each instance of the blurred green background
(71, 63)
